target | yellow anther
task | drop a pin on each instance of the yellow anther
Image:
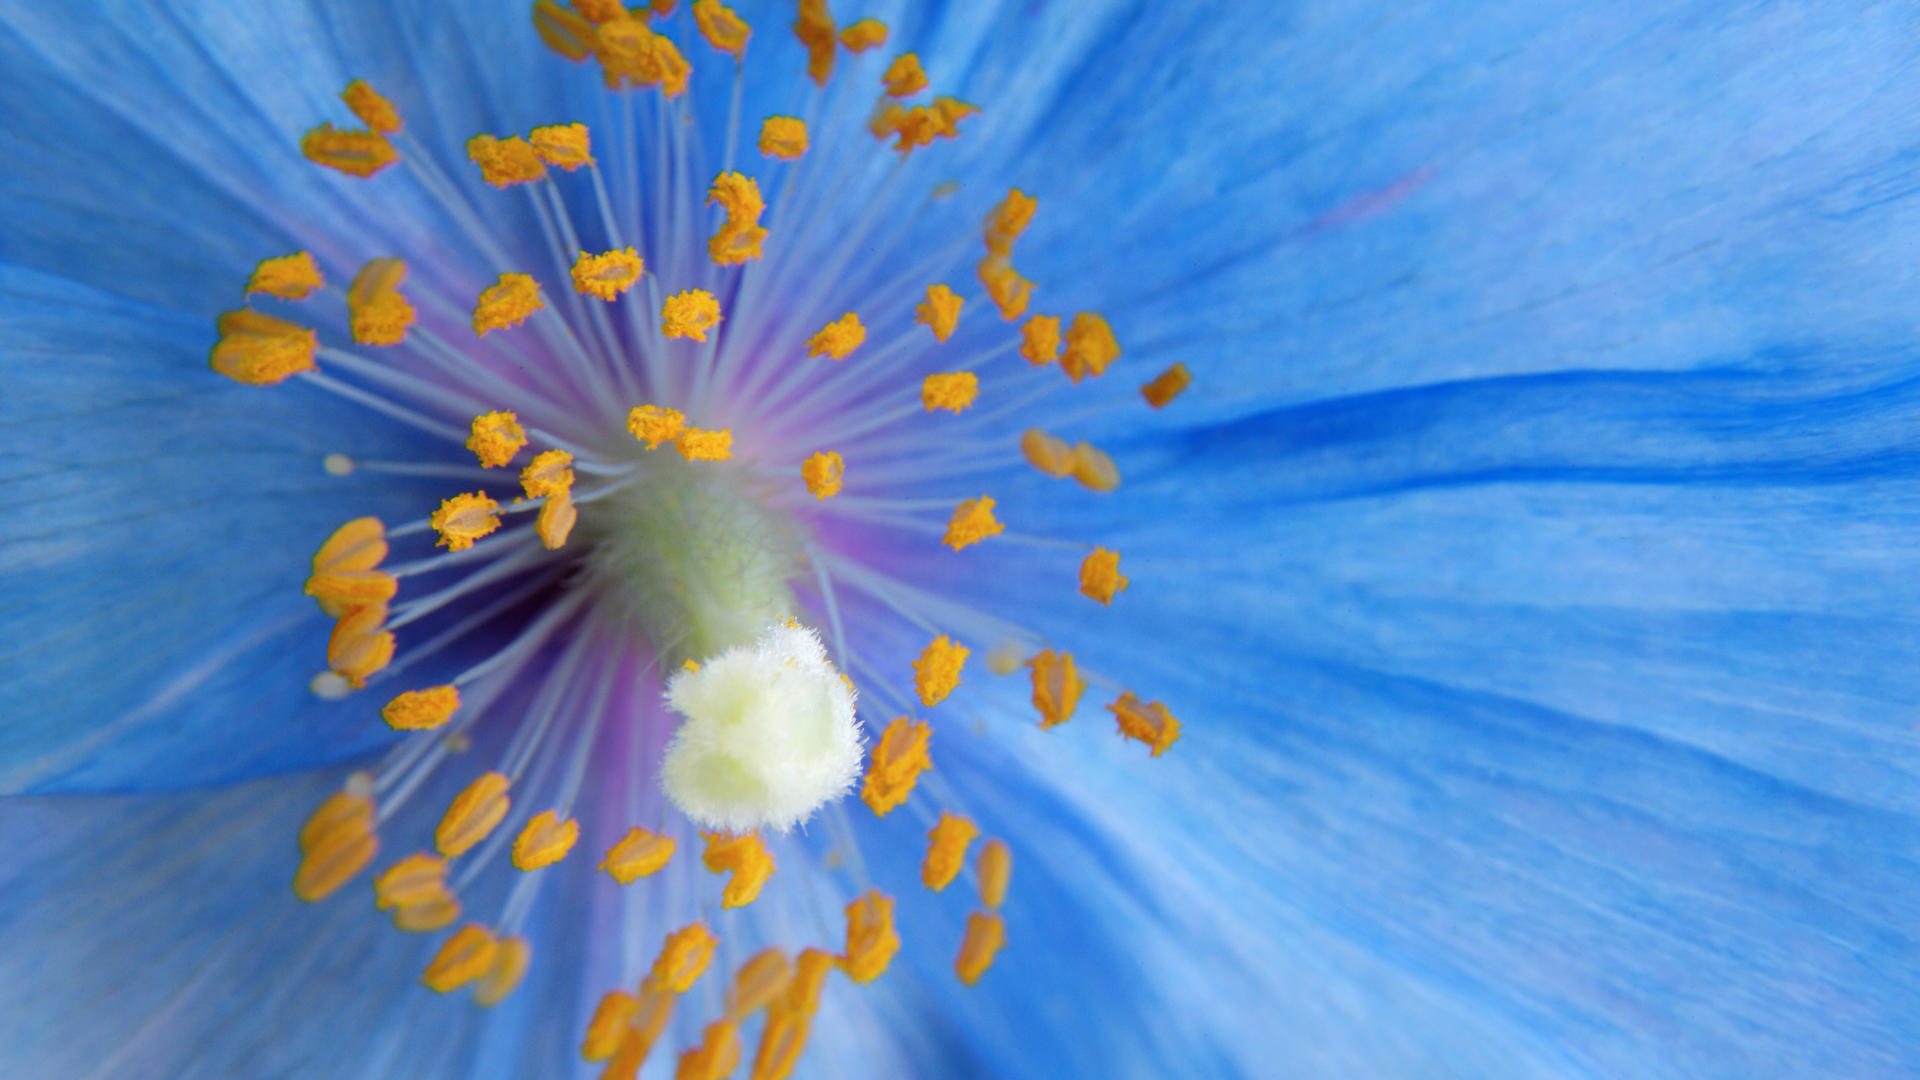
(434, 913)
(607, 274)
(289, 277)
(723, 29)
(356, 153)
(946, 850)
(1040, 340)
(916, 127)
(734, 244)
(1057, 686)
(505, 162)
(260, 350)
(953, 391)
(507, 303)
(360, 544)
(937, 671)
(474, 813)
(609, 1025)
(1094, 469)
(871, 940)
(382, 320)
(359, 645)
(1008, 290)
(783, 137)
(416, 879)
(1090, 347)
(887, 118)
(904, 77)
(631, 54)
(638, 854)
(654, 425)
(810, 973)
(823, 473)
(995, 867)
(986, 933)
(951, 112)
(1044, 452)
(972, 522)
(701, 444)
(1100, 575)
(465, 956)
(895, 765)
(463, 519)
(564, 30)
(863, 35)
(689, 314)
(495, 437)
(746, 858)
(1008, 219)
(556, 520)
(563, 146)
(422, 710)
(684, 957)
(1149, 722)
(739, 195)
(373, 110)
(781, 1042)
(340, 591)
(1166, 386)
(758, 983)
(336, 843)
(717, 1055)
(838, 338)
(510, 959)
(815, 30)
(601, 11)
(545, 841)
(549, 473)
(375, 277)
(940, 311)
(642, 1031)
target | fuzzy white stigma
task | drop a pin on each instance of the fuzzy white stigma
(769, 735)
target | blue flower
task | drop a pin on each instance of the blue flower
(1529, 564)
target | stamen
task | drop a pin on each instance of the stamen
(415, 890)
(495, 437)
(1090, 347)
(359, 646)
(288, 277)
(654, 425)
(995, 867)
(564, 30)
(700, 444)
(746, 858)
(637, 855)
(1166, 386)
(689, 314)
(937, 671)
(940, 311)
(863, 35)
(655, 1008)
(759, 983)
(544, 841)
(684, 957)
(1040, 340)
(602, 11)
(260, 350)
(475, 813)
(631, 53)
(838, 338)
(505, 162)
(422, 710)
(549, 473)
(1057, 686)
(373, 110)
(986, 933)
(871, 940)
(607, 274)
(953, 391)
(1048, 454)
(809, 978)
(340, 591)
(507, 303)
(972, 522)
(1094, 469)
(815, 30)
(556, 521)
(465, 956)
(723, 29)
(609, 1025)
(1009, 291)
(1009, 218)
(739, 239)
(336, 843)
(510, 959)
(463, 519)
(904, 77)
(946, 850)
(896, 765)
(823, 473)
(1149, 722)
(717, 1055)
(356, 153)
(563, 146)
(783, 137)
(1100, 575)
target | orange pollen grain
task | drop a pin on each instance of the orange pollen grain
(1090, 347)
(895, 765)
(953, 391)
(1166, 386)
(1148, 722)
(684, 957)
(637, 855)
(972, 522)
(260, 350)
(700, 444)
(420, 710)
(871, 940)
(550, 473)
(1057, 686)
(563, 146)
(1040, 340)
(823, 473)
(505, 162)
(507, 303)
(495, 437)
(865, 34)
(723, 29)
(544, 840)
(465, 518)
(986, 933)
(286, 277)
(937, 670)
(473, 815)
(940, 311)
(356, 153)
(654, 425)
(1100, 575)
(904, 77)
(607, 274)
(689, 314)
(838, 338)
(946, 850)
(783, 137)
(373, 110)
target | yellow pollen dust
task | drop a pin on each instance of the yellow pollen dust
(700, 444)
(336, 843)
(838, 338)
(632, 55)
(783, 137)
(507, 303)
(563, 146)
(684, 957)
(741, 236)
(1090, 347)
(937, 671)
(995, 867)
(904, 77)
(815, 30)
(341, 591)
(495, 437)
(1045, 452)
(654, 425)
(1040, 340)
(288, 277)
(556, 520)
(510, 960)
(565, 31)
(421, 710)
(1057, 686)
(953, 391)
(607, 274)
(689, 314)
(1094, 468)
(549, 473)
(505, 162)
(638, 854)
(1008, 219)
(717, 1055)
(1100, 575)
(1166, 386)
(1009, 292)
(759, 982)
(972, 522)
(379, 315)
(463, 519)
(1149, 722)
(746, 858)
(473, 815)
(946, 850)
(373, 110)
(986, 933)
(823, 473)
(871, 940)
(545, 840)
(356, 153)
(260, 350)
(723, 29)
(465, 957)
(360, 645)
(940, 311)
(863, 35)
(895, 765)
